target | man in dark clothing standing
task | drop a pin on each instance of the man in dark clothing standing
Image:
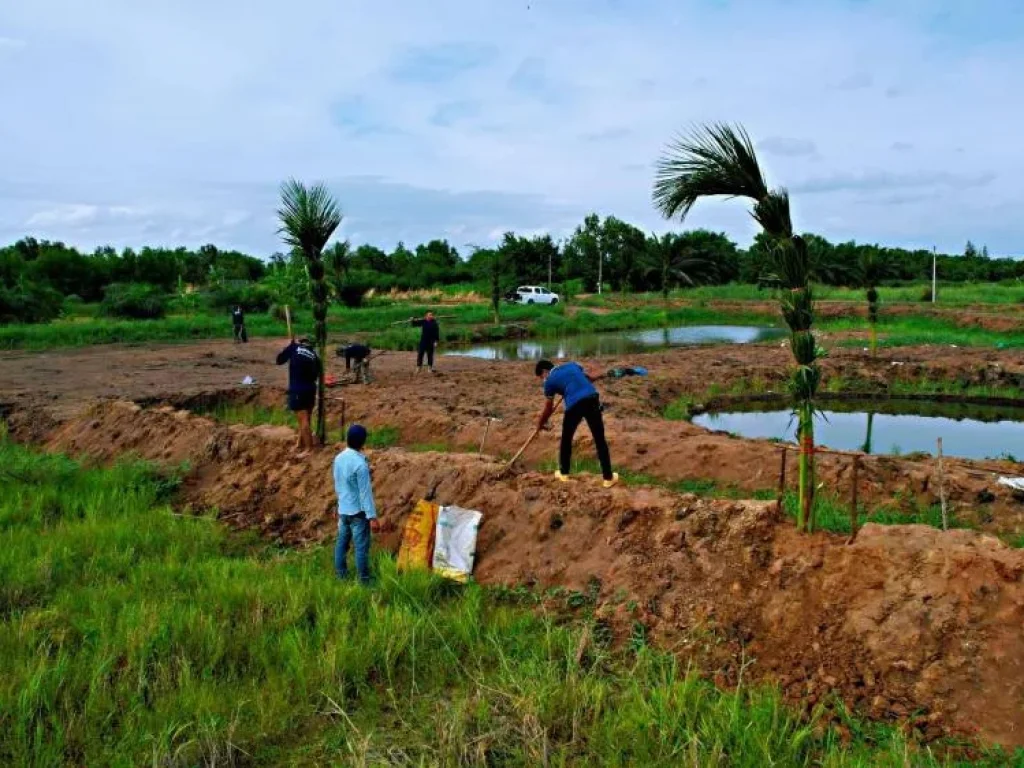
(303, 373)
(430, 335)
(238, 323)
(360, 353)
(582, 402)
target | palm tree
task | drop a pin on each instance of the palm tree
(870, 275)
(337, 260)
(719, 161)
(309, 216)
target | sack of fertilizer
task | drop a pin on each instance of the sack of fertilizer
(455, 542)
(417, 546)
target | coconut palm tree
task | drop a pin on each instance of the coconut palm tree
(309, 216)
(337, 260)
(719, 161)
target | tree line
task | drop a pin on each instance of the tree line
(36, 277)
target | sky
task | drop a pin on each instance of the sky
(174, 122)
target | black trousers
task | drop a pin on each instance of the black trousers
(589, 410)
(427, 350)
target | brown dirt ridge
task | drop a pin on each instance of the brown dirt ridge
(908, 622)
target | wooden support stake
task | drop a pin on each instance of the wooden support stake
(342, 419)
(942, 489)
(288, 319)
(484, 438)
(853, 500)
(782, 484)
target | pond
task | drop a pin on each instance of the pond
(617, 342)
(888, 427)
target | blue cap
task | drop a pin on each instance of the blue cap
(356, 437)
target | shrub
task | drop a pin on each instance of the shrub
(139, 301)
(29, 302)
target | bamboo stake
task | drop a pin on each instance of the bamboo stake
(343, 418)
(853, 501)
(942, 490)
(782, 485)
(288, 319)
(483, 440)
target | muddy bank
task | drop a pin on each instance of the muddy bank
(908, 623)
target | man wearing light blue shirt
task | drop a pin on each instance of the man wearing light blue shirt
(357, 514)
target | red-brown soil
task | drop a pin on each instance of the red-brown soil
(452, 408)
(908, 622)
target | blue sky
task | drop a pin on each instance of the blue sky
(174, 121)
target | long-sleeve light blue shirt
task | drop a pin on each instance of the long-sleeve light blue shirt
(352, 484)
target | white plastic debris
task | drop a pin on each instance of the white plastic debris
(248, 380)
(1017, 483)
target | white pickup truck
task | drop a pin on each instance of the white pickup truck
(533, 294)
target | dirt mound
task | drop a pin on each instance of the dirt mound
(907, 623)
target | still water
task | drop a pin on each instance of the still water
(894, 427)
(617, 342)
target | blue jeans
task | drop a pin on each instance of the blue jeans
(353, 527)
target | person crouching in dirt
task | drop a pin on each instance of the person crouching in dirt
(360, 353)
(238, 323)
(303, 373)
(430, 335)
(582, 403)
(357, 513)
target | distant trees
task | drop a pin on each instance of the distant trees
(35, 275)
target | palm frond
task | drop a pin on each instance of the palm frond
(308, 216)
(716, 160)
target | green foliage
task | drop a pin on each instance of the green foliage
(29, 302)
(251, 298)
(136, 301)
(130, 635)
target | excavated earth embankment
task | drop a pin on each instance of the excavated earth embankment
(906, 623)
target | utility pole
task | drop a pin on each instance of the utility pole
(933, 274)
(549, 269)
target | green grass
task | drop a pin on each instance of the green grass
(911, 330)
(130, 635)
(949, 294)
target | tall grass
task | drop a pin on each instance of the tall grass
(130, 635)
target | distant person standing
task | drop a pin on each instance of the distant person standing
(582, 403)
(357, 513)
(238, 323)
(303, 374)
(430, 335)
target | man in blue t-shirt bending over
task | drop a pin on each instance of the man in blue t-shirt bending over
(581, 403)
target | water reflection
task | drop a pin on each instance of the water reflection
(973, 432)
(617, 342)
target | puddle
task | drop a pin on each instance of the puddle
(617, 342)
(890, 427)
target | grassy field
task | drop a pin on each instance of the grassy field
(381, 321)
(131, 635)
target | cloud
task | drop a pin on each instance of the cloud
(901, 146)
(788, 147)
(885, 180)
(855, 81)
(467, 117)
(439, 63)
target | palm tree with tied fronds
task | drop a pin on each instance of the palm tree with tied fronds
(309, 216)
(718, 160)
(871, 275)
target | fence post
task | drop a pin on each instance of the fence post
(942, 489)
(782, 484)
(342, 419)
(484, 439)
(853, 500)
